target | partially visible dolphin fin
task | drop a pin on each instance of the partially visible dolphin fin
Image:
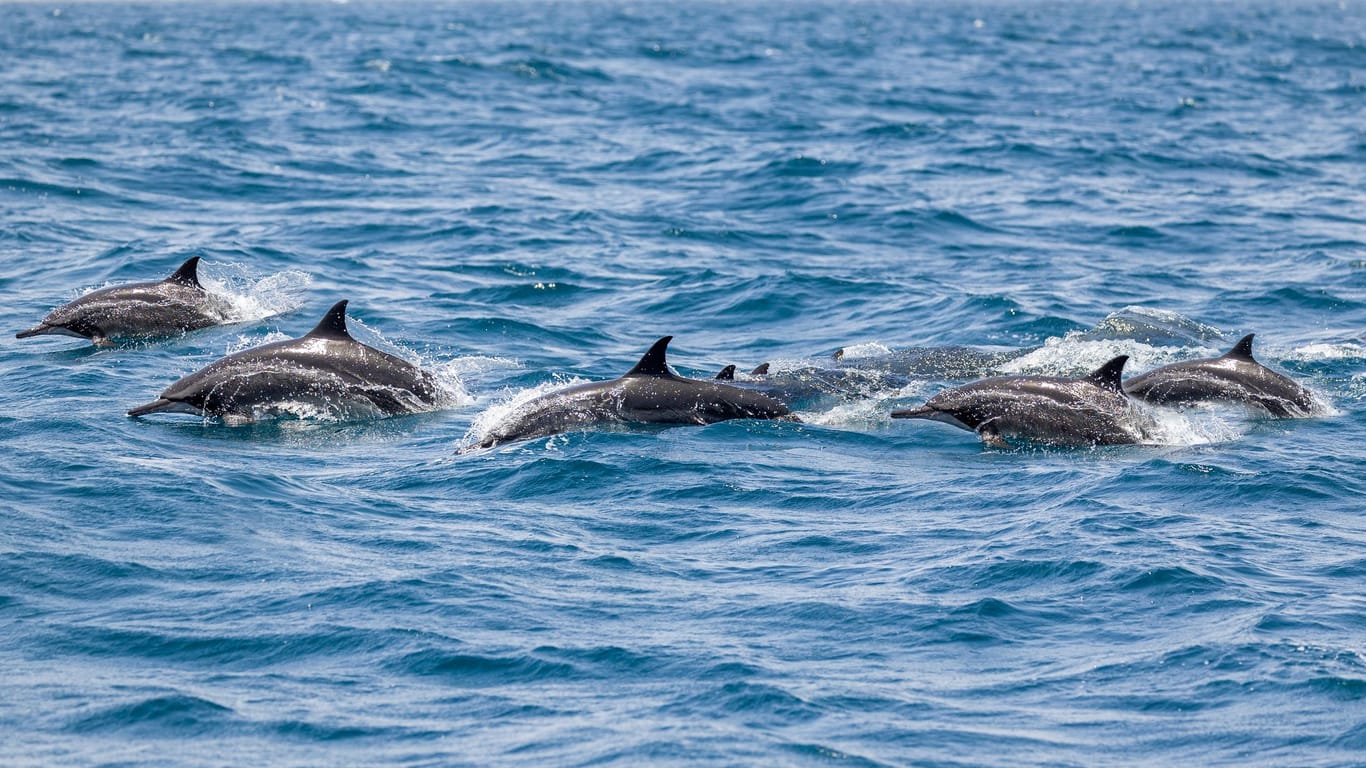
(1242, 350)
(333, 324)
(653, 363)
(187, 275)
(760, 370)
(1108, 375)
(726, 374)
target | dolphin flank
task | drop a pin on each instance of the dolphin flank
(1047, 410)
(324, 371)
(137, 311)
(649, 393)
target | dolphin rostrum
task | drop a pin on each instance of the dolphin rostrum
(137, 311)
(324, 371)
(1234, 377)
(649, 393)
(1048, 410)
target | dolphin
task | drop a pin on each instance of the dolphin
(325, 370)
(950, 362)
(1048, 410)
(727, 373)
(1234, 377)
(649, 393)
(137, 311)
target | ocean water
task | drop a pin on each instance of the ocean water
(522, 195)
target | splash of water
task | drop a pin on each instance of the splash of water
(246, 296)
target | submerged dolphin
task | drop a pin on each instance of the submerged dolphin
(325, 370)
(1092, 410)
(648, 394)
(137, 311)
(1235, 377)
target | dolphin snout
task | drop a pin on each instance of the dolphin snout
(160, 404)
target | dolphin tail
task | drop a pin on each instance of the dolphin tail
(923, 412)
(160, 404)
(37, 330)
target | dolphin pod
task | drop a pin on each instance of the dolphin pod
(327, 371)
(149, 310)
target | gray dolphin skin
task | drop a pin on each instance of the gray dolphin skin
(648, 394)
(325, 370)
(1046, 410)
(1231, 378)
(136, 311)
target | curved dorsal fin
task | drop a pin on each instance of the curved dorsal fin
(760, 370)
(1108, 375)
(1242, 350)
(333, 324)
(726, 374)
(653, 363)
(188, 274)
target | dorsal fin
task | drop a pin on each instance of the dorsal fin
(653, 363)
(1108, 375)
(187, 275)
(760, 370)
(1242, 350)
(333, 324)
(727, 373)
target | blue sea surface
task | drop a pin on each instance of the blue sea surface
(520, 195)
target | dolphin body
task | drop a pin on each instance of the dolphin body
(326, 370)
(1234, 378)
(846, 380)
(1047, 410)
(137, 311)
(951, 362)
(649, 393)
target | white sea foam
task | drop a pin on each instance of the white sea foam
(1328, 351)
(864, 350)
(1070, 354)
(1197, 426)
(248, 296)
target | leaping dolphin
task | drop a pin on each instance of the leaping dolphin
(137, 311)
(1234, 378)
(649, 393)
(325, 371)
(1047, 410)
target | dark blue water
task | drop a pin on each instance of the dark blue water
(522, 195)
